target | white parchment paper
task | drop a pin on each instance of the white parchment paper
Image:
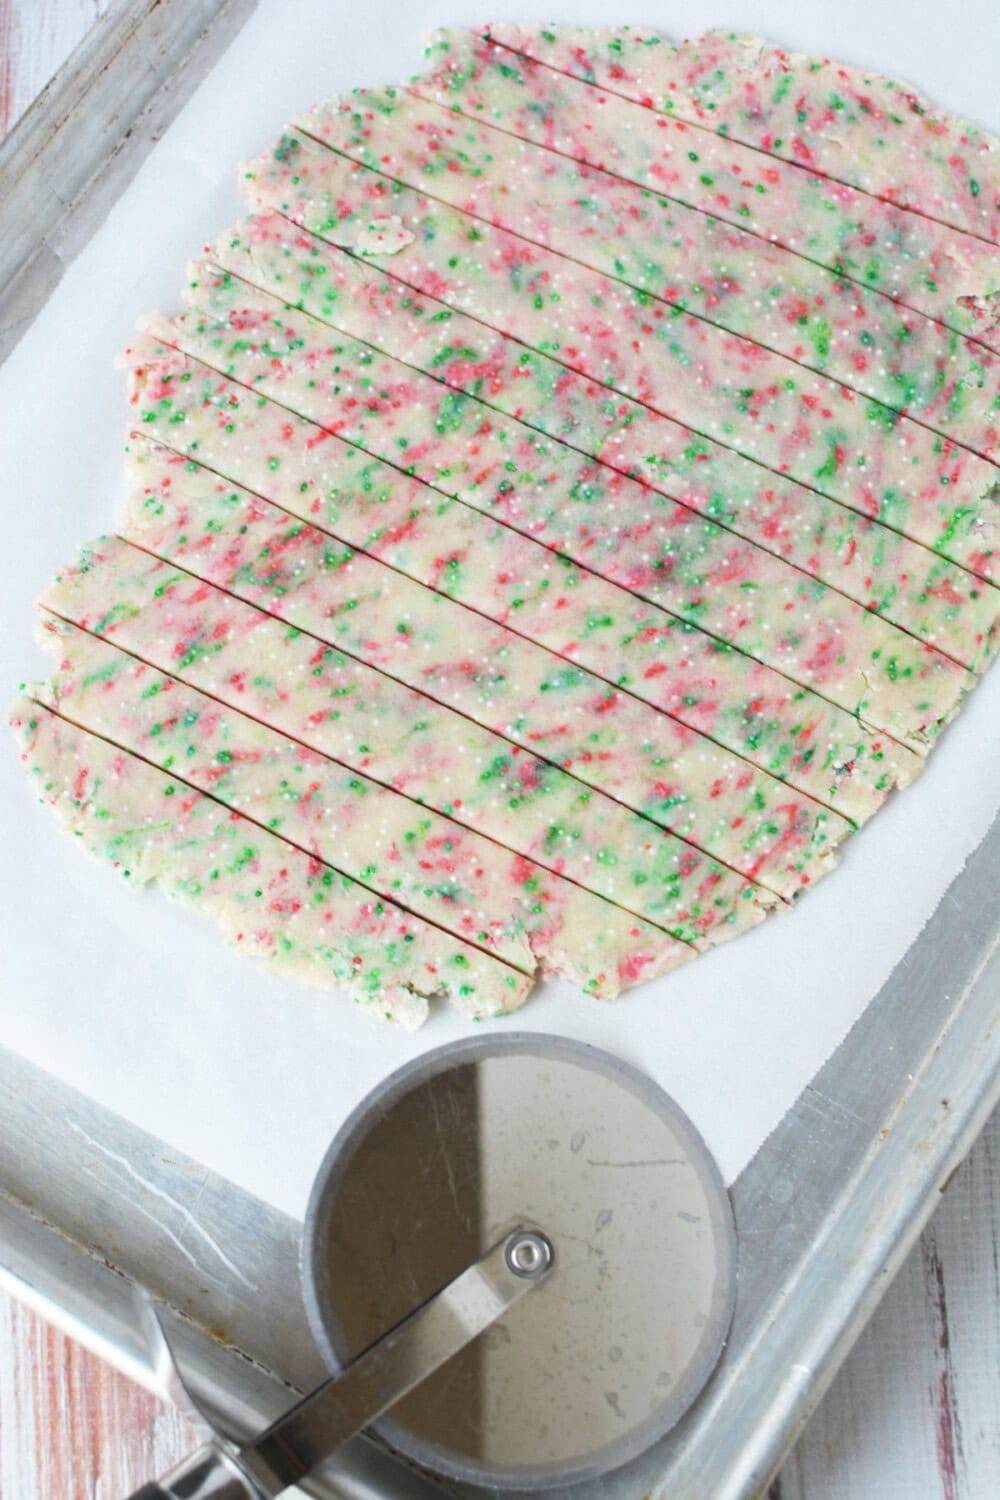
(137, 1001)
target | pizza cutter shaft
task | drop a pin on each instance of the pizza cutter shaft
(373, 1382)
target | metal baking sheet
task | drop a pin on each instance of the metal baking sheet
(825, 1213)
(828, 1203)
(197, 1046)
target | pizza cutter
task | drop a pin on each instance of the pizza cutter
(549, 1244)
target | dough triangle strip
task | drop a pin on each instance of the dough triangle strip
(420, 861)
(905, 581)
(724, 387)
(947, 274)
(608, 741)
(936, 166)
(844, 761)
(686, 259)
(228, 650)
(778, 616)
(299, 916)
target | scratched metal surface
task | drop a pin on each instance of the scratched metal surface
(914, 1412)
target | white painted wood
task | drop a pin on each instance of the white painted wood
(36, 37)
(914, 1413)
(71, 1428)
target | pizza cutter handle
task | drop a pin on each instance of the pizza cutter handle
(373, 1382)
(209, 1474)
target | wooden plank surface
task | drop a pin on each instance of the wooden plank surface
(71, 1428)
(36, 37)
(913, 1415)
(915, 1412)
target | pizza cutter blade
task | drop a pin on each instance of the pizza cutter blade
(473, 1177)
(605, 1356)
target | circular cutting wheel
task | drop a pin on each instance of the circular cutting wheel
(471, 1141)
